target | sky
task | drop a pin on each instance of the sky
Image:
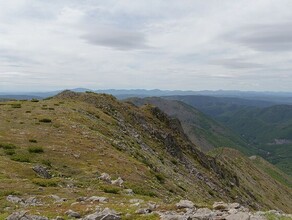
(154, 44)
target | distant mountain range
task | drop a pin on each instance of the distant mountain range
(275, 97)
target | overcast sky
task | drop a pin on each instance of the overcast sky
(126, 44)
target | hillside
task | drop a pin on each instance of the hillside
(203, 131)
(216, 106)
(264, 126)
(268, 129)
(73, 139)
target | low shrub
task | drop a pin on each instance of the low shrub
(7, 146)
(45, 120)
(21, 158)
(9, 152)
(35, 149)
(111, 189)
(16, 105)
(32, 141)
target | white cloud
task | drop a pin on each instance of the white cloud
(188, 44)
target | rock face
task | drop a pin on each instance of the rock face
(42, 172)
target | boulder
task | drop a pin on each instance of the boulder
(128, 191)
(238, 216)
(22, 215)
(118, 182)
(97, 199)
(42, 172)
(203, 213)
(105, 177)
(143, 211)
(15, 199)
(220, 206)
(185, 204)
(106, 214)
(72, 214)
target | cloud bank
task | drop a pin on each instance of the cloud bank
(188, 44)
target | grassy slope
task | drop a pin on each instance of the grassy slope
(90, 134)
(255, 174)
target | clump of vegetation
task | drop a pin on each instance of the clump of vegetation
(35, 100)
(21, 158)
(35, 149)
(111, 189)
(160, 178)
(47, 162)
(16, 105)
(46, 182)
(143, 191)
(45, 120)
(9, 152)
(7, 146)
(32, 140)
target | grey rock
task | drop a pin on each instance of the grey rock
(15, 199)
(33, 201)
(58, 199)
(143, 211)
(118, 182)
(184, 204)
(238, 216)
(220, 206)
(203, 213)
(136, 201)
(257, 217)
(106, 214)
(234, 206)
(73, 214)
(97, 199)
(105, 177)
(42, 172)
(22, 215)
(128, 191)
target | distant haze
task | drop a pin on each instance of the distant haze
(170, 45)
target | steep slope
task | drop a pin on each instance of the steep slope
(216, 106)
(268, 129)
(203, 131)
(79, 136)
(264, 126)
(255, 174)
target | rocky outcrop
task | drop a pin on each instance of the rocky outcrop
(106, 214)
(42, 172)
(220, 211)
(22, 215)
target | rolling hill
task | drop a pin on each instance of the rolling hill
(78, 145)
